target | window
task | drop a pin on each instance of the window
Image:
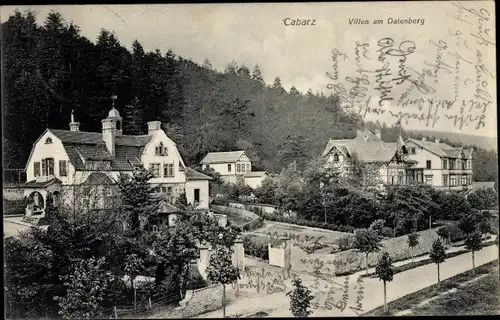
(197, 195)
(229, 168)
(157, 189)
(36, 169)
(168, 170)
(445, 180)
(453, 180)
(49, 140)
(452, 163)
(428, 164)
(238, 168)
(469, 180)
(163, 189)
(169, 191)
(335, 158)
(248, 167)
(464, 180)
(155, 169)
(400, 178)
(445, 163)
(464, 164)
(160, 150)
(47, 166)
(242, 168)
(413, 150)
(62, 168)
(428, 180)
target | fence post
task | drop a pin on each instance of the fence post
(116, 316)
(135, 299)
(149, 303)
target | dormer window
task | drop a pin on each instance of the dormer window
(161, 150)
(49, 140)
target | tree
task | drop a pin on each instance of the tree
(137, 198)
(484, 227)
(483, 199)
(294, 91)
(175, 249)
(412, 242)
(220, 269)
(207, 64)
(300, 299)
(86, 289)
(378, 225)
(473, 243)
(471, 222)
(367, 241)
(257, 75)
(265, 193)
(277, 84)
(134, 266)
(385, 272)
(444, 233)
(438, 255)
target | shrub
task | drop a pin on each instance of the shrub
(345, 243)
(378, 225)
(255, 248)
(387, 232)
(197, 282)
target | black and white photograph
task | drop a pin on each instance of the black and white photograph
(250, 160)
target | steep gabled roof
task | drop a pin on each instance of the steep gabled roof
(368, 147)
(222, 157)
(442, 149)
(82, 137)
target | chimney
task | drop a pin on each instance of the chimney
(153, 126)
(424, 139)
(109, 134)
(378, 134)
(74, 126)
(436, 141)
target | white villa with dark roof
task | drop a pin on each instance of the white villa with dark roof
(441, 165)
(414, 161)
(234, 166)
(386, 160)
(65, 162)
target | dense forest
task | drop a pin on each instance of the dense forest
(52, 69)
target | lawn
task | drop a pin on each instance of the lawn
(300, 234)
(416, 264)
(476, 298)
(471, 306)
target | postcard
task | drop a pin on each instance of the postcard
(250, 159)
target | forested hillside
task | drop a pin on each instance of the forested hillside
(51, 70)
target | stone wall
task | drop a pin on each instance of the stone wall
(13, 193)
(201, 301)
(236, 210)
(263, 207)
(350, 261)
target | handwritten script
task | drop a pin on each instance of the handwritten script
(448, 79)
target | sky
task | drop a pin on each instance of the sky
(452, 52)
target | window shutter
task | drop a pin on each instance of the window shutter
(36, 169)
(44, 167)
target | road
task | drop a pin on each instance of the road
(348, 296)
(11, 228)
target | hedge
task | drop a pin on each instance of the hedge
(256, 248)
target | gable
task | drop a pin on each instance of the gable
(244, 158)
(161, 139)
(41, 143)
